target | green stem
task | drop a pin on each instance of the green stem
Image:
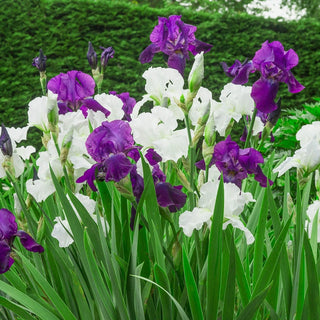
(192, 160)
(253, 118)
(191, 193)
(43, 82)
(207, 173)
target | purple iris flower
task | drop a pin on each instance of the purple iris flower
(274, 65)
(110, 145)
(175, 39)
(128, 103)
(8, 232)
(74, 90)
(236, 163)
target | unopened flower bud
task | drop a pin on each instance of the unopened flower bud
(41, 229)
(66, 144)
(40, 61)
(209, 130)
(5, 142)
(291, 207)
(303, 177)
(207, 152)
(106, 55)
(124, 186)
(176, 254)
(197, 73)
(92, 57)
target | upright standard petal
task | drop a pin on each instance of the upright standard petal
(110, 137)
(72, 87)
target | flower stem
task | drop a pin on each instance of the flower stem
(253, 118)
(192, 160)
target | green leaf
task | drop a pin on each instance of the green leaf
(20, 311)
(56, 300)
(242, 281)
(182, 314)
(91, 225)
(103, 293)
(34, 306)
(214, 255)
(163, 283)
(229, 297)
(313, 282)
(260, 238)
(250, 310)
(135, 302)
(271, 262)
(149, 198)
(192, 289)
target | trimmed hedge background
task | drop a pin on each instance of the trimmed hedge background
(63, 28)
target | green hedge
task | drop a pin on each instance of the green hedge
(63, 28)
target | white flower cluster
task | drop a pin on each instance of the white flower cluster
(73, 131)
(308, 156)
(234, 203)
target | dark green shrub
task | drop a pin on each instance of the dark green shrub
(63, 28)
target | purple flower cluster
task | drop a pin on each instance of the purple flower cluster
(74, 90)
(235, 163)
(274, 65)
(8, 232)
(175, 39)
(112, 146)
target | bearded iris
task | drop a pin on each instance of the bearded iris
(110, 145)
(8, 232)
(175, 39)
(74, 90)
(236, 163)
(274, 65)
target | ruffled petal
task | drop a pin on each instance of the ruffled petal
(28, 242)
(148, 53)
